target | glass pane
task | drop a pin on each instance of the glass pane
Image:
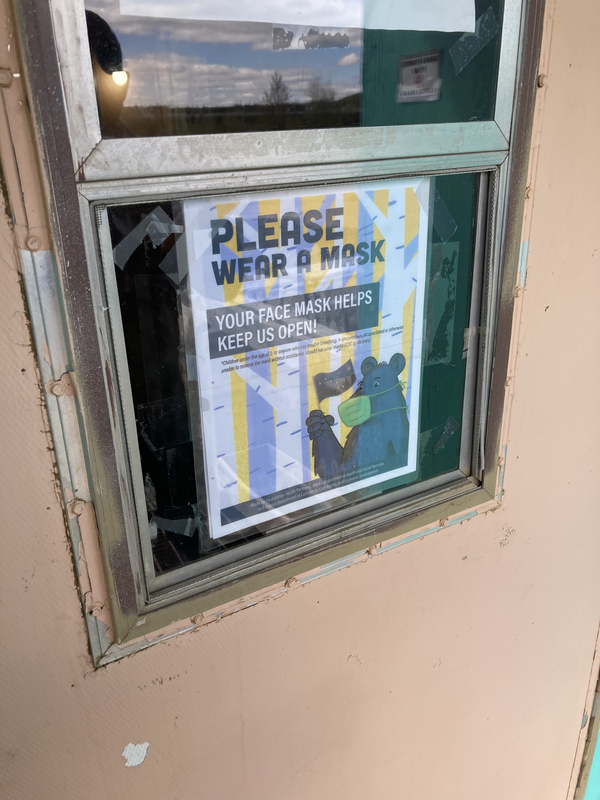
(163, 74)
(292, 352)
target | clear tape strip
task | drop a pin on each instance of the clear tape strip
(158, 226)
(464, 50)
(443, 222)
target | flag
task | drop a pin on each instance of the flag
(331, 384)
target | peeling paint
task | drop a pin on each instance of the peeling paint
(523, 254)
(501, 476)
(135, 754)
(508, 535)
(46, 352)
(276, 591)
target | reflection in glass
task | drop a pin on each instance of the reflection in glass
(161, 76)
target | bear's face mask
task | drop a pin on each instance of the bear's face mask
(357, 410)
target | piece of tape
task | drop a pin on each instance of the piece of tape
(183, 527)
(450, 428)
(469, 45)
(468, 334)
(310, 38)
(192, 369)
(158, 226)
(443, 222)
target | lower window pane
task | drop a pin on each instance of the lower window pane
(292, 352)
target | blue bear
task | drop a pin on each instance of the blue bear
(377, 413)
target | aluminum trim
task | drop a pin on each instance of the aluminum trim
(122, 378)
(47, 320)
(512, 26)
(70, 33)
(473, 341)
(180, 187)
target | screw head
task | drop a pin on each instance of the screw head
(78, 507)
(57, 389)
(33, 243)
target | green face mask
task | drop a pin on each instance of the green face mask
(357, 410)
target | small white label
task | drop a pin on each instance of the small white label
(419, 79)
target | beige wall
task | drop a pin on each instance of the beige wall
(452, 668)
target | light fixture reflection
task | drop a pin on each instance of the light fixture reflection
(120, 78)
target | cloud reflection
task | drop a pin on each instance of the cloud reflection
(177, 80)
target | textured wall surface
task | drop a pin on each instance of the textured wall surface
(453, 668)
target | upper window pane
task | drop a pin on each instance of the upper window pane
(173, 69)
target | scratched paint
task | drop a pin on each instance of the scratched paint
(135, 754)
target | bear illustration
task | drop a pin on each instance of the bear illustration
(377, 414)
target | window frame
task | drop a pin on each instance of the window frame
(308, 534)
(85, 173)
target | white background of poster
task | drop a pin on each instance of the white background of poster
(237, 443)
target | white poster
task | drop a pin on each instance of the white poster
(411, 15)
(308, 320)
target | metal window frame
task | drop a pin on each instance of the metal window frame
(84, 173)
(287, 544)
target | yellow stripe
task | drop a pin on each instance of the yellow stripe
(411, 218)
(271, 207)
(378, 273)
(313, 278)
(223, 209)
(240, 434)
(351, 207)
(233, 293)
(381, 198)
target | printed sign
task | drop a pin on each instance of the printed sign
(308, 314)
(420, 78)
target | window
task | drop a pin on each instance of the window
(285, 256)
